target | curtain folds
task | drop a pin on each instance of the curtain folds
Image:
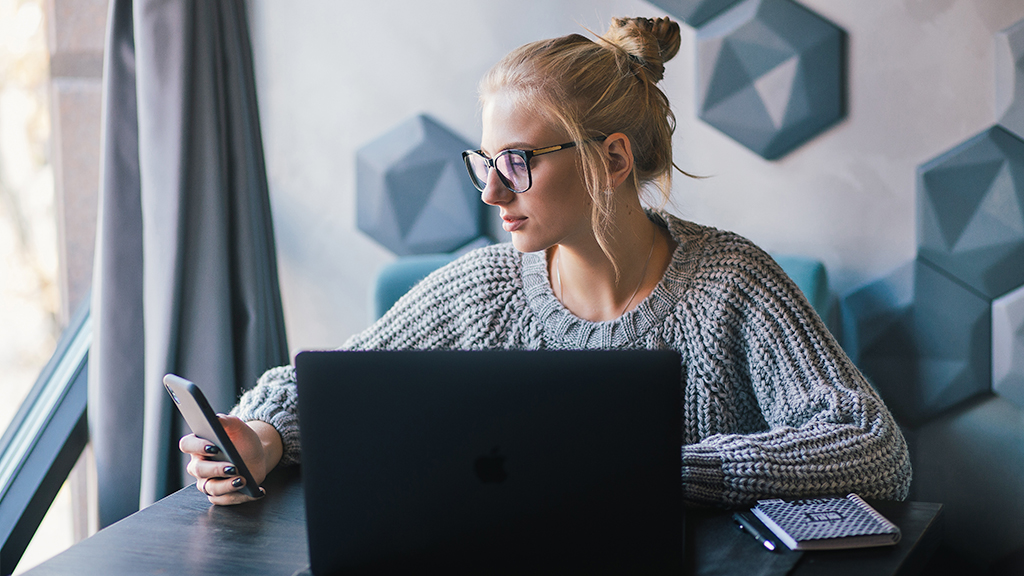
(186, 274)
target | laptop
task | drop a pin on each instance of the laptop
(492, 462)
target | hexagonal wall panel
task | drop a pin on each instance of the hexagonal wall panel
(970, 211)
(413, 193)
(770, 75)
(923, 339)
(693, 12)
(1008, 347)
(1010, 78)
(872, 310)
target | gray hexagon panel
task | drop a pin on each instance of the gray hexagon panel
(970, 212)
(1008, 347)
(922, 338)
(412, 191)
(693, 12)
(770, 75)
(1010, 78)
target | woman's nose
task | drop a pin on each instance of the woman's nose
(495, 192)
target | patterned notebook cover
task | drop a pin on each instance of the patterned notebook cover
(825, 523)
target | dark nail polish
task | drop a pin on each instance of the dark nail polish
(211, 449)
(237, 482)
(229, 471)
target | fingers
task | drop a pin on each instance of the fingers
(191, 444)
(224, 491)
(200, 468)
(219, 486)
(218, 479)
(234, 498)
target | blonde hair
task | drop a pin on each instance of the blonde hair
(595, 89)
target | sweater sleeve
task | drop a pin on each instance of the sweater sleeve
(779, 409)
(467, 304)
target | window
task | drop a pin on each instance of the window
(44, 440)
(50, 66)
(28, 234)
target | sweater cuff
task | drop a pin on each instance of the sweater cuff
(703, 478)
(274, 401)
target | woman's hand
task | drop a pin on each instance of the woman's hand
(258, 444)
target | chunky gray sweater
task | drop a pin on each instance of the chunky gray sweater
(773, 406)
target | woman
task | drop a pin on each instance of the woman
(574, 130)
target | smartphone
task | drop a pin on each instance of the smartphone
(204, 423)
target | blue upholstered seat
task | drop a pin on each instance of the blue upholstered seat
(397, 277)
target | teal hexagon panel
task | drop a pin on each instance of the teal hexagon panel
(970, 212)
(922, 338)
(770, 74)
(693, 12)
(412, 192)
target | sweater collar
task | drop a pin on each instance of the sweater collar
(564, 329)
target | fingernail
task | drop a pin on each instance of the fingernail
(262, 492)
(237, 482)
(229, 470)
(211, 449)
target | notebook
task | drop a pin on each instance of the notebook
(827, 523)
(492, 462)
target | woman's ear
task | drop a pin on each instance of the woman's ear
(620, 158)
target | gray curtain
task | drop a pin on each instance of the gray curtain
(186, 275)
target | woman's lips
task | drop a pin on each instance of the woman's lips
(512, 223)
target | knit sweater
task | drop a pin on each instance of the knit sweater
(773, 407)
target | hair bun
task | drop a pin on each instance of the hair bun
(650, 41)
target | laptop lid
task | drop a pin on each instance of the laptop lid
(492, 461)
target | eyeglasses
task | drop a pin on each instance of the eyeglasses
(513, 166)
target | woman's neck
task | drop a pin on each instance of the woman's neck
(584, 278)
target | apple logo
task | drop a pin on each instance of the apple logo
(490, 468)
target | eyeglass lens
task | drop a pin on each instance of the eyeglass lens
(513, 170)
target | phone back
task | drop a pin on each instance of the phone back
(205, 424)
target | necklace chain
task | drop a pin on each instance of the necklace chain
(643, 274)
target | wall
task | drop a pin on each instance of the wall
(333, 76)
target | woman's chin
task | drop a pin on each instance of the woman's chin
(523, 243)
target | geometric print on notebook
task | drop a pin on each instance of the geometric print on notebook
(821, 518)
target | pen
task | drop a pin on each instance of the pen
(747, 525)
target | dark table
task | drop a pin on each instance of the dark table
(184, 534)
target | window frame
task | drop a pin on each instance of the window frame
(44, 440)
